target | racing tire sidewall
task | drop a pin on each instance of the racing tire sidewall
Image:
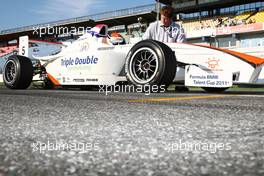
(166, 63)
(23, 74)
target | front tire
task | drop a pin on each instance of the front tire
(18, 72)
(151, 63)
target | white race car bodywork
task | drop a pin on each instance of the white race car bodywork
(244, 66)
(93, 60)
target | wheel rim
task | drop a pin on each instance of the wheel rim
(144, 65)
(10, 71)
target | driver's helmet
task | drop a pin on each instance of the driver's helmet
(117, 39)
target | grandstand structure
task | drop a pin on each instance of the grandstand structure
(119, 20)
(232, 24)
(125, 21)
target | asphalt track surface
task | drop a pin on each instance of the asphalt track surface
(63, 132)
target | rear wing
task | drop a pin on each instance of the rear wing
(25, 44)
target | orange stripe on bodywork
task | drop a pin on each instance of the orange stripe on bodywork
(53, 80)
(248, 58)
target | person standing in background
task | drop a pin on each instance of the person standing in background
(165, 30)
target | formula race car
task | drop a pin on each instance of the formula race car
(94, 60)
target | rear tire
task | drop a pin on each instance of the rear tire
(18, 72)
(150, 62)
